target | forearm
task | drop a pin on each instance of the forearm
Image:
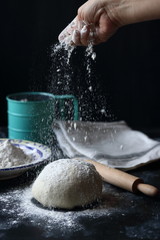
(132, 11)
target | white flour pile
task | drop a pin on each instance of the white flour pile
(11, 156)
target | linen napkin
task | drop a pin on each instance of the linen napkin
(114, 144)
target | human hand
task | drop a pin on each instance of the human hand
(92, 25)
(98, 20)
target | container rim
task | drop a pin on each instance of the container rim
(49, 95)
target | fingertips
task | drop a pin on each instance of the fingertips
(61, 36)
(84, 35)
(77, 33)
(76, 38)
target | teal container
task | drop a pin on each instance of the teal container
(31, 114)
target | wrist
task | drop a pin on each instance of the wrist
(120, 12)
(124, 12)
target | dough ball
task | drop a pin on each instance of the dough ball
(67, 183)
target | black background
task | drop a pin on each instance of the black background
(125, 75)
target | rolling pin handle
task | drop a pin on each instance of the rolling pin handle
(148, 190)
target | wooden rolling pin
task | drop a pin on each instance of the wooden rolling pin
(123, 180)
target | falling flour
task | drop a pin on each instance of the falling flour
(72, 71)
(11, 156)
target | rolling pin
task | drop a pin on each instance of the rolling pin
(123, 180)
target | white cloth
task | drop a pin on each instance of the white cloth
(114, 143)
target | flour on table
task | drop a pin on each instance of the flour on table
(11, 156)
(18, 207)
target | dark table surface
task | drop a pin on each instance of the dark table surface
(120, 215)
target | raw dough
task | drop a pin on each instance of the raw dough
(67, 183)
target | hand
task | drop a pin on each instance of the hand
(92, 25)
(98, 20)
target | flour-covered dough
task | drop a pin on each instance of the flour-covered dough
(67, 183)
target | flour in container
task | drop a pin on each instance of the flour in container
(11, 156)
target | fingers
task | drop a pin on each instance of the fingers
(76, 33)
(81, 38)
(68, 31)
(84, 34)
(76, 38)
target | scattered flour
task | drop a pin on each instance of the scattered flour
(11, 156)
(19, 208)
